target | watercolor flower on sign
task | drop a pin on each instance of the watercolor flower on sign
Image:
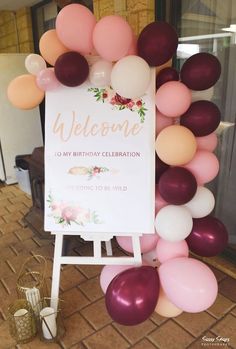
(108, 95)
(67, 214)
(90, 172)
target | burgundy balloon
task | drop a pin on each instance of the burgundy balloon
(177, 185)
(157, 43)
(71, 69)
(161, 167)
(132, 295)
(200, 71)
(165, 75)
(202, 118)
(208, 237)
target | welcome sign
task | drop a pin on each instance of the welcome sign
(99, 161)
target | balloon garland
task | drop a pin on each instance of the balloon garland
(186, 121)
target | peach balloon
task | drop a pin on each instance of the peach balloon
(204, 166)
(165, 307)
(173, 98)
(207, 142)
(162, 121)
(159, 202)
(24, 93)
(168, 250)
(51, 47)
(176, 145)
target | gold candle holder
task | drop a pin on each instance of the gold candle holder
(31, 283)
(49, 320)
(21, 319)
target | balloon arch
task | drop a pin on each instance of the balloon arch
(168, 282)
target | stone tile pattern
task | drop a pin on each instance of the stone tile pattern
(87, 322)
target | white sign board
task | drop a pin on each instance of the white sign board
(99, 161)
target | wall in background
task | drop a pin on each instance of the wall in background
(16, 31)
(137, 13)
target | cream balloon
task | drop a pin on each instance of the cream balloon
(205, 95)
(173, 223)
(130, 77)
(202, 203)
(100, 73)
(35, 63)
(165, 307)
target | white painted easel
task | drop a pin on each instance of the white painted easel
(97, 258)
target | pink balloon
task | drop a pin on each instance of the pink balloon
(109, 272)
(162, 121)
(133, 46)
(46, 80)
(166, 250)
(173, 98)
(74, 27)
(159, 202)
(112, 37)
(150, 258)
(188, 283)
(207, 142)
(204, 166)
(147, 242)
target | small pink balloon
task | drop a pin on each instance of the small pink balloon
(109, 272)
(150, 258)
(159, 202)
(46, 80)
(173, 98)
(207, 142)
(112, 37)
(147, 242)
(74, 27)
(133, 46)
(188, 283)
(204, 166)
(162, 121)
(166, 250)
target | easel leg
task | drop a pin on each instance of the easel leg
(137, 249)
(108, 247)
(56, 269)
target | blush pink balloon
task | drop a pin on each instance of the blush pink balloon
(133, 46)
(109, 272)
(173, 98)
(147, 242)
(74, 27)
(150, 258)
(162, 121)
(207, 142)
(166, 250)
(46, 80)
(204, 166)
(112, 37)
(159, 202)
(188, 283)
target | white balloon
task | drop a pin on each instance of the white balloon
(205, 95)
(35, 63)
(100, 73)
(130, 77)
(202, 203)
(173, 223)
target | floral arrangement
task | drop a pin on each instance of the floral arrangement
(66, 214)
(108, 95)
(91, 172)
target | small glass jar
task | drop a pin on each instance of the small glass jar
(21, 319)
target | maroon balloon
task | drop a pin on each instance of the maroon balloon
(71, 69)
(161, 167)
(208, 238)
(157, 43)
(177, 185)
(165, 75)
(202, 118)
(200, 71)
(132, 295)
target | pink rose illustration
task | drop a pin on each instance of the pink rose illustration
(69, 214)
